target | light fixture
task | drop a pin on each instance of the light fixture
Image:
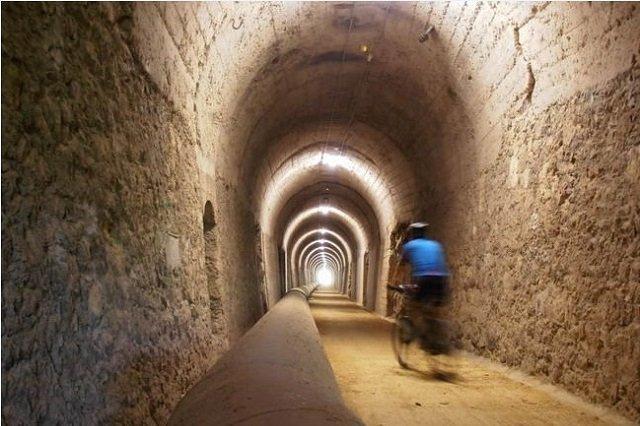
(424, 35)
(331, 160)
(367, 51)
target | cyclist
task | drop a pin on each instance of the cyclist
(429, 276)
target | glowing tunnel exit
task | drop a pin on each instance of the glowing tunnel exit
(324, 276)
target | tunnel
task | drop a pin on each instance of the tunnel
(171, 171)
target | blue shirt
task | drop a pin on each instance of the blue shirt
(426, 258)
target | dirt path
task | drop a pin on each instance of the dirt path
(381, 393)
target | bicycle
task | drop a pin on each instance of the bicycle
(429, 332)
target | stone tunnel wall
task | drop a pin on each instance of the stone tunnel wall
(539, 204)
(547, 269)
(105, 310)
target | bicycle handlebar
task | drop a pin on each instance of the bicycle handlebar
(399, 288)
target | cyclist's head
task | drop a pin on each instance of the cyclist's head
(418, 230)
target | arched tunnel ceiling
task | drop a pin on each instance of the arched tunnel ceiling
(391, 87)
(360, 108)
(344, 112)
(340, 237)
(329, 215)
(324, 246)
(361, 96)
(368, 163)
(337, 208)
(268, 71)
(325, 115)
(322, 233)
(367, 88)
(325, 193)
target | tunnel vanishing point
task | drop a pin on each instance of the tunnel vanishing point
(170, 171)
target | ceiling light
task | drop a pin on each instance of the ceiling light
(424, 35)
(330, 160)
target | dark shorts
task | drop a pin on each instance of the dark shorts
(432, 289)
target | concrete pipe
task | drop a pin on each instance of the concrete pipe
(277, 374)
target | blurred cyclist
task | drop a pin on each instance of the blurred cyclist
(430, 289)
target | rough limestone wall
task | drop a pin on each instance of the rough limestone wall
(179, 45)
(105, 309)
(537, 202)
(237, 259)
(545, 245)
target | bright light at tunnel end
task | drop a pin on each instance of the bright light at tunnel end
(324, 277)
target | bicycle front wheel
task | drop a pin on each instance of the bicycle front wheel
(403, 334)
